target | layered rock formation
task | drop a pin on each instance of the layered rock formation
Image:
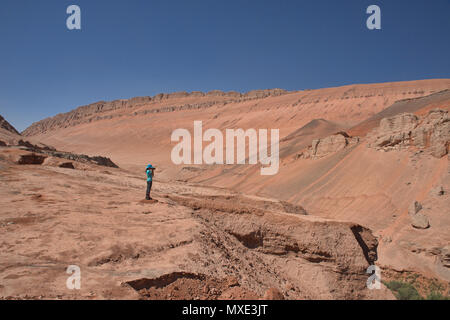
(7, 126)
(323, 147)
(93, 112)
(25, 153)
(418, 219)
(8, 134)
(414, 105)
(445, 256)
(406, 130)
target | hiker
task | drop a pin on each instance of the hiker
(150, 170)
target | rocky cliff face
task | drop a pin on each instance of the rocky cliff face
(323, 147)
(160, 103)
(431, 133)
(347, 105)
(403, 131)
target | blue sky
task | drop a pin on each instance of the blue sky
(132, 48)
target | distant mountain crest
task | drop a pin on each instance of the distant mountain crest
(7, 126)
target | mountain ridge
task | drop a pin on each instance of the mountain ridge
(4, 124)
(182, 100)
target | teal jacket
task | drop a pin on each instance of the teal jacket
(149, 175)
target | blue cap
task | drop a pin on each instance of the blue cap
(150, 167)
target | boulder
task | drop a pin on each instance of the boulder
(329, 145)
(418, 219)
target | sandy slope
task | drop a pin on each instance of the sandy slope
(132, 140)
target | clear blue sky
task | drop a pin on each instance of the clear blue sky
(132, 48)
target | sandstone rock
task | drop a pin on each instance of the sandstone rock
(3, 144)
(395, 130)
(439, 151)
(45, 151)
(420, 221)
(238, 293)
(232, 281)
(215, 93)
(434, 251)
(404, 130)
(175, 95)
(438, 191)
(400, 123)
(329, 145)
(197, 94)
(414, 208)
(439, 139)
(255, 94)
(445, 256)
(273, 294)
(233, 94)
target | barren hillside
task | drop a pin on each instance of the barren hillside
(372, 158)
(120, 129)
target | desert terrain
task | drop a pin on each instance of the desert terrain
(364, 179)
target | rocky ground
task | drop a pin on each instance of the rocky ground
(192, 242)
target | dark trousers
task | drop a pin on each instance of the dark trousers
(149, 188)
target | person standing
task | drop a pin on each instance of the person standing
(150, 170)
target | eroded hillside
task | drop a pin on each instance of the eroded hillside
(371, 158)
